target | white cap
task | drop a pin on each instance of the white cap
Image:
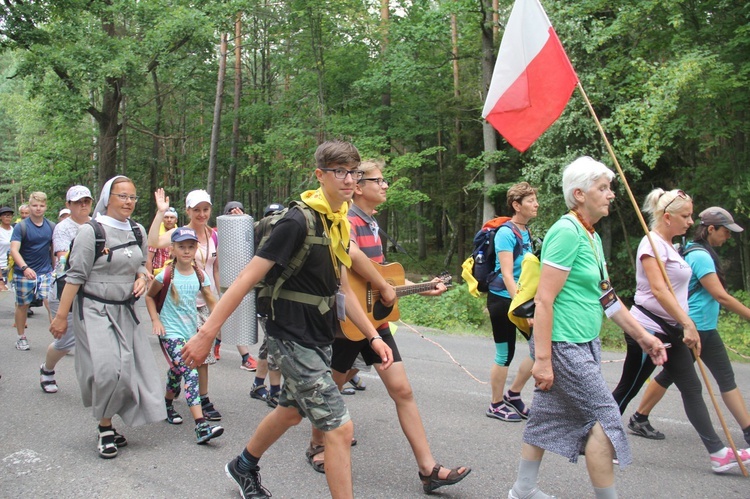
(194, 198)
(78, 192)
(64, 211)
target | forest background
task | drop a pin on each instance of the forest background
(234, 97)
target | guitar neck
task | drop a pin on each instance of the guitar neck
(409, 289)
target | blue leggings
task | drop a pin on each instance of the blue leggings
(178, 371)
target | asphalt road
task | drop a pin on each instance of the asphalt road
(48, 441)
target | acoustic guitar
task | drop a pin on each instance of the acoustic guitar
(369, 298)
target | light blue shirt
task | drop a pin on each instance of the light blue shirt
(180, 320)
(505, 240)
(704, 309)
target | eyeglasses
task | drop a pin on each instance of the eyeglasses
(124, 197)
(680, 194)
(341, 173)
(380, 181)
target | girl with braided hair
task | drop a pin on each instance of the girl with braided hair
(177, 321)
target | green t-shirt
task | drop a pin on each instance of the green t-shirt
(577, 313)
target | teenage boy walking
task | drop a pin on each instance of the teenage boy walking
(31, 250)
(300, 335)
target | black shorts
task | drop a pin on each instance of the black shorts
(345, 351)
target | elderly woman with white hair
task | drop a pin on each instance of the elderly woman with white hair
(574, 412)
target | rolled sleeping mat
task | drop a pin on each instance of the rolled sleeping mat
(236, 248)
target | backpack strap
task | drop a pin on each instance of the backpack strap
(323, 303)
(518, 248)
(683, 254)
(164, 288)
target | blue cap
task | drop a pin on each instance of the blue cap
(184, 234)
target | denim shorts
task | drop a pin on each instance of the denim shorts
(28, 290)
(308, 385)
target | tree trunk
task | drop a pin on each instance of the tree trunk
(237, 95)
(216, 129)
(155, 144)
(109, 128)
(460, 230)
(490, 138)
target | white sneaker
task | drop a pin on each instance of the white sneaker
(534, 493)
(22, 343)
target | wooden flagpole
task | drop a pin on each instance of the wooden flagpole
(706, 381)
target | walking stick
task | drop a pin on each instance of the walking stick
(645, 228)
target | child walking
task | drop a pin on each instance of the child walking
(175, 321)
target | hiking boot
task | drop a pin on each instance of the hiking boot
(173, 417)
(503, 413)
(644, 429)
(205, 432)
(22, 343)
(47, 380)
(249, 365)
(210, 413)
(249, 484)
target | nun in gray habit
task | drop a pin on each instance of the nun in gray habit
(114, 361)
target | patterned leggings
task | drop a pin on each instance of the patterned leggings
(171, 347)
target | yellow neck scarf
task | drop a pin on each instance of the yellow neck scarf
(339, 230)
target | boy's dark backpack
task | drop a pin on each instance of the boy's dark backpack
(484, 252)
(162, 296)
(269, 292)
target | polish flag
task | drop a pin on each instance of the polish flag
(533, 78)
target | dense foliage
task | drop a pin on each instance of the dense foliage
(668, 79)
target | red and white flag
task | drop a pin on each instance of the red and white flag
(533, 78)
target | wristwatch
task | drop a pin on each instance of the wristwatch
(23, 269)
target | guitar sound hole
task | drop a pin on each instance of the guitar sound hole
(380, 311)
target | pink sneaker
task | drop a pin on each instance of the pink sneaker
(728, 462)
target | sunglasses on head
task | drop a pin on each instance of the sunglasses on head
(680, 194)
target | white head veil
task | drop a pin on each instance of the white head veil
(101, 206)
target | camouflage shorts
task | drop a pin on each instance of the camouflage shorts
(308, 385)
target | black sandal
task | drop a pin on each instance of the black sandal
(433, 481)
(310, 454)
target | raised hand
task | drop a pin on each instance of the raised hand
(162, 201)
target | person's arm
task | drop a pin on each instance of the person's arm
(197, 348)
(150, 259)
(60, 322)
(364, 267)
(439, 289)
(355, 314)
(648, 342)
(551, 281)
(713, 285)
(15, 252)
(157, 327)
(669, 302)
(162, 204)
(506, 269)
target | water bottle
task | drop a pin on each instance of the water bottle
(480, 257)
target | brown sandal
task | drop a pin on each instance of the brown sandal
(433, 481)
(313, 451)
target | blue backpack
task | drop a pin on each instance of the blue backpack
(484, 252)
